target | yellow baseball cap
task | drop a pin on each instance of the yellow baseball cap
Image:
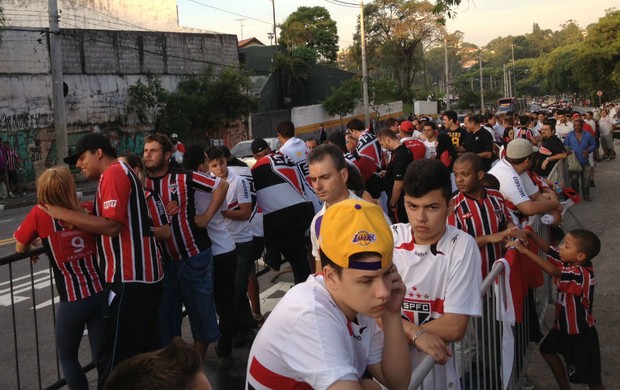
(354, 226)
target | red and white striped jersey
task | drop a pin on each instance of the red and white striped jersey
(179, 185)
(71, 251)
(477, 219)
(132, 255)
(575, 295)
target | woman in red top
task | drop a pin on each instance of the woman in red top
(73, 257)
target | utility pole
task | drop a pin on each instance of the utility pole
(514, 74)
(58, 98)
(481, 86)
(273, 10)
(241, 25)
(364, 68)
(447, 76)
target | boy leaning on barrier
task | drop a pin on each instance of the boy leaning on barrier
(440, 265)
(323, 334)
(573, 335)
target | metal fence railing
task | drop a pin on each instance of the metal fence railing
(28, 316)
(483, 357)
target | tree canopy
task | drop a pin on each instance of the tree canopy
(310, 33)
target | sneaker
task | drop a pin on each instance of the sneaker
(592, 183)
(11, 195)
(612, 157)
(528, 384)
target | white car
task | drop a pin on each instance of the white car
(243, 150)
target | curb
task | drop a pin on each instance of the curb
(31, 202)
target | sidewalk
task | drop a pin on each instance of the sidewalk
(84, 188)
(601, 216)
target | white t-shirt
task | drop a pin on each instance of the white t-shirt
(307, 339)
(238, 193)
(561, 129)
(431, 149)
(514, 187)
(441, 278)
(221, 241)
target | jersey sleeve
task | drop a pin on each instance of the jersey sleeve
(27, 230)
(325, 359)
(114, 192)
(465, 279)
(204, 182)
(157, 210)
(243, 191)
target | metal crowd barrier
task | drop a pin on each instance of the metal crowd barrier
(478, 356)
(33, 360)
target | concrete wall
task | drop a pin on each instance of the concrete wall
(99, 66)
(157, 15)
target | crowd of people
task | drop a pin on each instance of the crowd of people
(388, 234)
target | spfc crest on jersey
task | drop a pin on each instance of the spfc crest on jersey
(416, 311)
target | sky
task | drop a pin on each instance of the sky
(479, 20)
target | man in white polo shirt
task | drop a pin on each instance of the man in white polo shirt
(323, 334)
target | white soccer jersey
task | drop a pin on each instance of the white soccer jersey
(238, 193)
(307, 342)
(296, 149)
(221, 240)
(440, 278)
(516, 188)
(431, 149)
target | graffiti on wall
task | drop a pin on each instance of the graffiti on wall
(36, 147)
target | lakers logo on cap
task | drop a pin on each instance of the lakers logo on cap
(364, 238)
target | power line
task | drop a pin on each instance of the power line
(230, 12)
(109, 16)
(343, 3)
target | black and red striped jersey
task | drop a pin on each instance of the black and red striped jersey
(71, 251)
(477, 219)
(280, 194)
(157, 208)
(575, 295)
(132, 255)
(179, 185)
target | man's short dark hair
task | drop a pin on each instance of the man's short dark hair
(327, 150)
(473, 158)
(356, 124)
(286, 129)
(452, 115)
(214, 153)
(490, 181)
(550, 123)
(471, 117)
(313, 139)
(431, 124)
(588, 242)
(173, 367)
(338, 138)
(424, 176)
(524, 120)
(387, 133)
(162, 139)
(389, 122)
(193, 157)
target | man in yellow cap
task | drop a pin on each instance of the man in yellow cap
(323, 333)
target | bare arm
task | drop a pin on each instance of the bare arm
(538, 206)
(542, 263)
(397, 190)
(91, 223)
(242, 214)
(162, 233)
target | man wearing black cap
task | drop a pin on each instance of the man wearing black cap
(130, 260)
(287, 212)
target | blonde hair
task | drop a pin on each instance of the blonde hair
(55, 186)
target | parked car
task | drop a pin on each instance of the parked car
(243, 150)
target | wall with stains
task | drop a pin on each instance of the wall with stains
(98, 66)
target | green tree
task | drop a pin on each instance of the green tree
(343, 99)
(398, 32)
(381, 92)
(146, 100)
(311, 34)
(200, 106)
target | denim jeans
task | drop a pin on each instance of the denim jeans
(584, 176)
(189, 283)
